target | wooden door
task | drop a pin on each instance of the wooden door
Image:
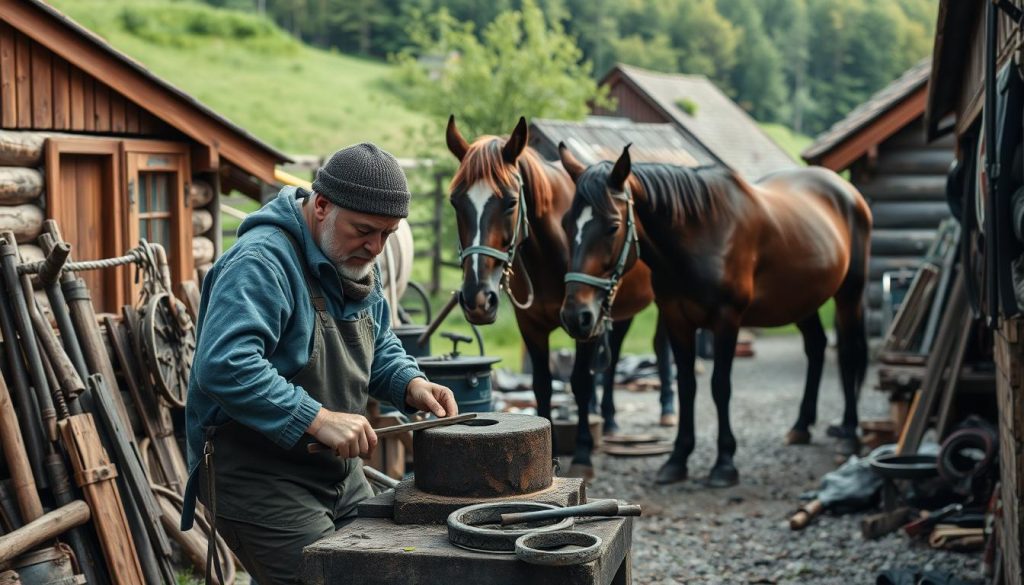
(83, 178)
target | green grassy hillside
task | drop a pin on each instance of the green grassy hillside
(296, 98)
(303, 100)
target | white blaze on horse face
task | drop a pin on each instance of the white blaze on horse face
(585, 216)
(479, 194)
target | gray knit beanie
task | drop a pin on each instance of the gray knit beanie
(364, 178)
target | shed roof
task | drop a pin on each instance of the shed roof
(95, 56)
(718, 124)
(602, 138)
(886, 112)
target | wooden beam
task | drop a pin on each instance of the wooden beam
(61, 95)
(134, 85)
(77, 97)
(8, 99)
(42, 84)
(22, 89)
(840, 157)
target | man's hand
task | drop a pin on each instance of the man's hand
(348, 435)
(430, 397)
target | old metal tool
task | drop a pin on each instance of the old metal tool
(539, 548)
(598, 508)
(476, 527)
(413, 426)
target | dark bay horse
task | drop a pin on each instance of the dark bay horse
(725, 253)
(509, 204)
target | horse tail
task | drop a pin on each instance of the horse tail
(850, 321)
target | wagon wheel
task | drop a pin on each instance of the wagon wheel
(422, 297)
(169, 342)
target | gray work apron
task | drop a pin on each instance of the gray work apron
(261, 484)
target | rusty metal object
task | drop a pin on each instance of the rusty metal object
(536, 548)
(496, 454)
(478, 527)
(414, 506)
(595, 508)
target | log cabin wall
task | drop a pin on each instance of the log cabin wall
(97, 134)
(904, 182)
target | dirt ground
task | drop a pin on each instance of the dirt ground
(694, 534)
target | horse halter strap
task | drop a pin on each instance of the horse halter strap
(611, 284)
(522, 231)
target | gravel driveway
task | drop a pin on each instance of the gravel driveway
(693, 534)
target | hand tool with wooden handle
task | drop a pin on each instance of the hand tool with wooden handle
(413, 426)
(598, 508)
(807, 512)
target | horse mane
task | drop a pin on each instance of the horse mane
(681, 193)
(483, 162)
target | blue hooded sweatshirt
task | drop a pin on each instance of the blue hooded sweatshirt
(255, 331)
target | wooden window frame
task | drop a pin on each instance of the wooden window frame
(126, 157)
(145, 155)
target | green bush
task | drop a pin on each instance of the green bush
(191, 25)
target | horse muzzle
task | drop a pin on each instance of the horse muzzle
(480, 307)
(582, 322)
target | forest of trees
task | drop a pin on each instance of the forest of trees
(803, 63)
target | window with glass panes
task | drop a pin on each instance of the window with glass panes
(154, 200)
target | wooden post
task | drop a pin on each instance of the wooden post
(95, 473)
(46, 527)
(23, 483)
(435, 266)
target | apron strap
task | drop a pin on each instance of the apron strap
(316, 293)
(213, 560)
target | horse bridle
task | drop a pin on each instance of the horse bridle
(507, 257)
(611, 284)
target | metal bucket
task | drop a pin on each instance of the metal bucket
(48, 566)
(468, 377)
(408, 335)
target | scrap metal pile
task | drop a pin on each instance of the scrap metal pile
(92, 474)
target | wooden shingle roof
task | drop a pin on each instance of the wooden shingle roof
(886, 112)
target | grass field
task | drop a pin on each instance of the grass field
(296, 98)
(304, 100)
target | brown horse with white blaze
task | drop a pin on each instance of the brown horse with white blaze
(509, 204)
(725, 253)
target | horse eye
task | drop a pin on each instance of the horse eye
(511, 205)
(612, 229)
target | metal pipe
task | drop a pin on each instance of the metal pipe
(598, 508)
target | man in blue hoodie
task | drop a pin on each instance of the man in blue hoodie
(293, 337)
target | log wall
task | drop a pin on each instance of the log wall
(905, 185)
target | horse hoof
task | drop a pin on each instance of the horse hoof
(582, 471)
(796, 437)
(671, 473)
(610, 428)
(847, 446)
(723, 476)
(667, 420)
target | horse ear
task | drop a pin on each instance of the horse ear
(621, 170)
(572, 165)
(516, 142)
(456, 143)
